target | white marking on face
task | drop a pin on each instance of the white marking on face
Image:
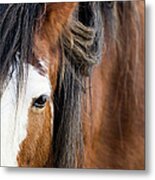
(14, 124)
(43, 63)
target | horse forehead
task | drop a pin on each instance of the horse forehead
(36, 83)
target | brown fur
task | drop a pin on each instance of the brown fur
(57, 16)
(116, 138)
(114, 133)
(36, 147)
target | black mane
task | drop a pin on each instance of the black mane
(86, 31)
(17, 26)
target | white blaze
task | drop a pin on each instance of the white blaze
(14, 125)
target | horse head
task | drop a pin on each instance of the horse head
(27, 114)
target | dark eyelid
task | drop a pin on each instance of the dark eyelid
(40, 101)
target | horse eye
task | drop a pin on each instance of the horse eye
(40, 101)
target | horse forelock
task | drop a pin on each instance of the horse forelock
(17, 27)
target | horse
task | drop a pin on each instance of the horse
(72, 84)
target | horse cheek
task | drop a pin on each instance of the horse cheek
(35, 149)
